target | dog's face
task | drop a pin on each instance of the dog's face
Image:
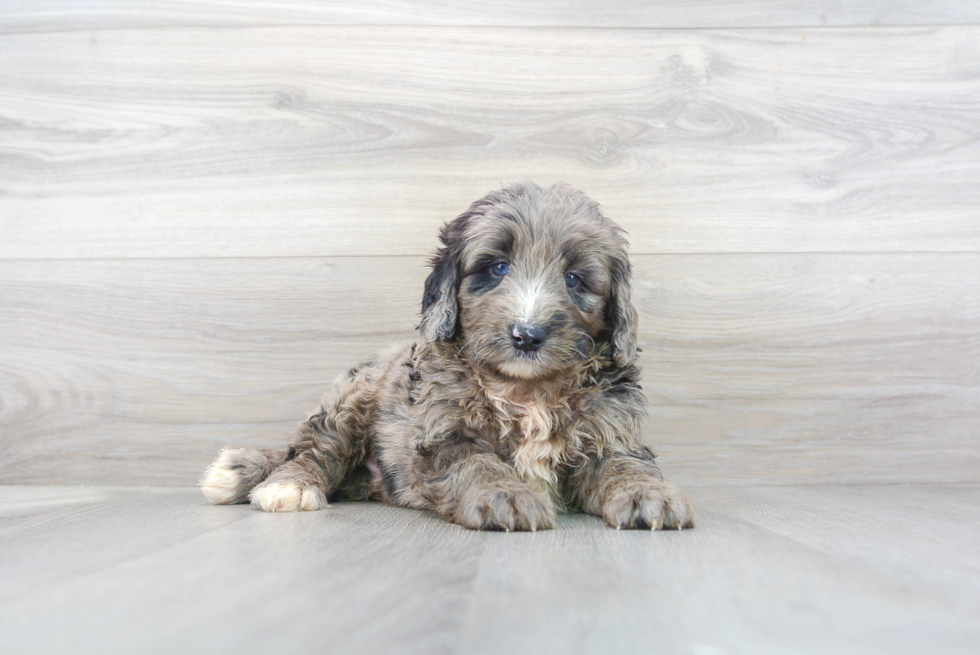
(530, 281)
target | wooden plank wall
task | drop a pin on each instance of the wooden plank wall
(207, 214)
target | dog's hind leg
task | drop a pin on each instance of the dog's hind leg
(301, 477)
(327, 446)
(316, 463)
(237, 471)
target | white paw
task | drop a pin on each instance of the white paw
(222, 481)
(287, 497)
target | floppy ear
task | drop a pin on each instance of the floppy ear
(620, 314)
(440, 310)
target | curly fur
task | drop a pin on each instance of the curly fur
(464, 422)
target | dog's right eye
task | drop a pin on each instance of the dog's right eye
(499, 269)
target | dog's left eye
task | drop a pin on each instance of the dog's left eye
(500, 269)
(572, 281)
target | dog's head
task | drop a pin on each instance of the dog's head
(531, 281)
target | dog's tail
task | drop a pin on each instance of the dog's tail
(236, 472)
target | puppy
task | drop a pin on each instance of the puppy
(519, 396)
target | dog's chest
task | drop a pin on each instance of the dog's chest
(529, 427)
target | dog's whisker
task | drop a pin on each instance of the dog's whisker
(460, 349)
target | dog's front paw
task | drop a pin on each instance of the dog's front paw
(287, 497)
(648, 505)
(511, 506)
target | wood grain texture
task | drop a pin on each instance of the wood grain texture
(310, 141)
(291, 583)
(759, 368)
(701, 593)
(62, 15)
(809, 570)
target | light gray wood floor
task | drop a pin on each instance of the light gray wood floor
(842, 569)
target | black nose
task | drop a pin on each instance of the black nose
(528, 337)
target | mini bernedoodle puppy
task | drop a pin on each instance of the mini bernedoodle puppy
(520, 394)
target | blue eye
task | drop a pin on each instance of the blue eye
(500, 269)
(572, 281)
